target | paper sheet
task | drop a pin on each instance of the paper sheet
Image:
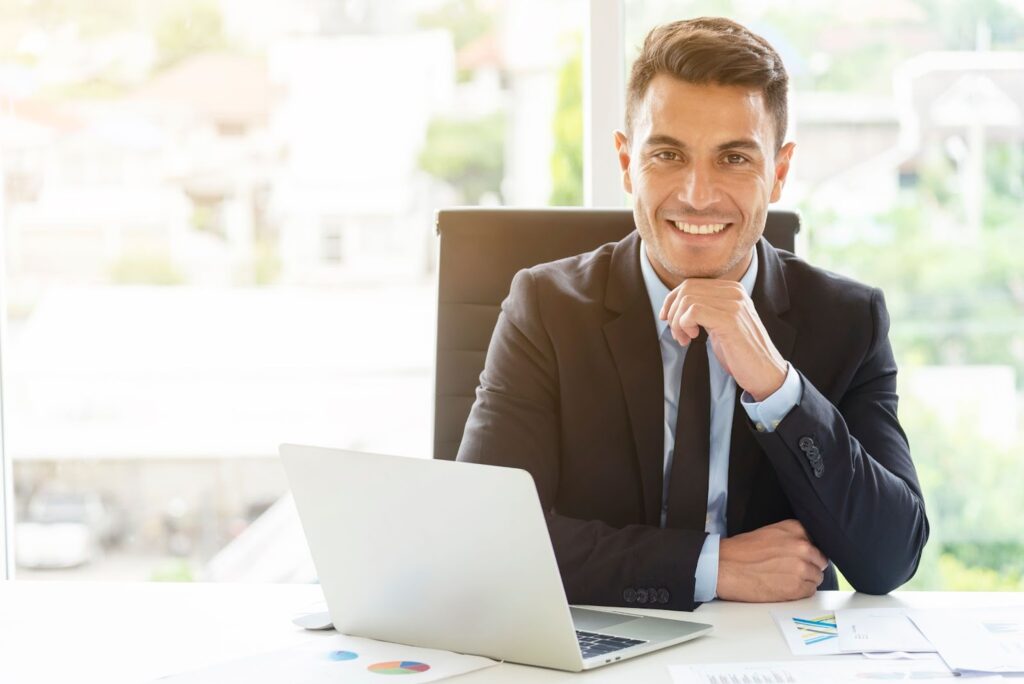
(975, 640)
(879, 630)
(337, 658)
(808, 633)
(833, 670)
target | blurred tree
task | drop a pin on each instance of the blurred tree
(187, 28)
(952, 301)
(145, 268)
(567, 157)
(88, 17)
(959, 20)
(469, 155)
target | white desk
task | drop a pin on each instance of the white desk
(112, 632)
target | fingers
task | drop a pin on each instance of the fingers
(777, 580)
(683, 333)
(808, 552)
(807, 589)
(792, 526)
(818, 558)
(681, 309)
(688, 311)
(690, 315)
(802, 547)
(667, 305)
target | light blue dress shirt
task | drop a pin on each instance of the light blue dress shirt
(766, 415)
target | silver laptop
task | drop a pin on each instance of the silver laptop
(454, 556)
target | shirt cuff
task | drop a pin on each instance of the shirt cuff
(705, 587)
(766, 415)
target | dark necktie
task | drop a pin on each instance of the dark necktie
(688, 484)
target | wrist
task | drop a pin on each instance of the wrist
(775, 379)
(724, 589)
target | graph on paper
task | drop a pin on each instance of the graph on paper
(816, 629)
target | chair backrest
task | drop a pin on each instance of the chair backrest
(481, 251)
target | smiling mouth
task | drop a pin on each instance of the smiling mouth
(699, 228)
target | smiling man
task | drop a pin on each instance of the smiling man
(704, 415)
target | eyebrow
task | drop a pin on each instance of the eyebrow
(738, 144)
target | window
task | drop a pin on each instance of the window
(210, 211)
(909, 123)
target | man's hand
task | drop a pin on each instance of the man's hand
(773, 563)
(737, 336)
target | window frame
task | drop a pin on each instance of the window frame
(604, 101)
(6, 477)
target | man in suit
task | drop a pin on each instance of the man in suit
(703, 415)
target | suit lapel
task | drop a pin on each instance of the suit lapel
(633, 342)
(771, 300)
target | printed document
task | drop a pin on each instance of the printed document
(843, 670)
(879, 630)
(976, 640)
(808, 632)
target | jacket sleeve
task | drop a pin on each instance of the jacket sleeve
(515, 422)
(847, 471)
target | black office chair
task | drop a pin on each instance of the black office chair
(481, 251)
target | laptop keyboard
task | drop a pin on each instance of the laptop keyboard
(593, 644)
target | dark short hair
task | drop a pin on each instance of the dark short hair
(711, 50)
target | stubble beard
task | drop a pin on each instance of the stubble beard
(659, 255)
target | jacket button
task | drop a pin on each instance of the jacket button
(819, 469)
(806, 443)
(641, 596)
(629, 595)
(663, 595)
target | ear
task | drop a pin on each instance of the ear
(622, 150)
(782, 160)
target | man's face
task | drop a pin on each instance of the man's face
(702, 169)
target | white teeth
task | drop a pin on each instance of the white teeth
(695, 229)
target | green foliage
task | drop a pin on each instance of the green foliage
(957, 21)
(188, 28)
(266, 263)
(955, 575)
(469, 155)
(952, 302)
(173, 571)
(971, 490)
(90, 17)
(145, 268)
(971, 485)
(204, 218)
(953, 299)
(567, 157)
(93, 89)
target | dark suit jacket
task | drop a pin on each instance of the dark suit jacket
(572, 392)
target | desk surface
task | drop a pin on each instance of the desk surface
(114, 632)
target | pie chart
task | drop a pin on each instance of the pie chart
(398, 667)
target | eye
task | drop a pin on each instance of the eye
(735, 159)
(666, 155)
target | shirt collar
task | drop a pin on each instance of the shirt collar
(658, 291)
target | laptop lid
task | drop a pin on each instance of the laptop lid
(430, 553)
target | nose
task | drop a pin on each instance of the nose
(697, 187)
